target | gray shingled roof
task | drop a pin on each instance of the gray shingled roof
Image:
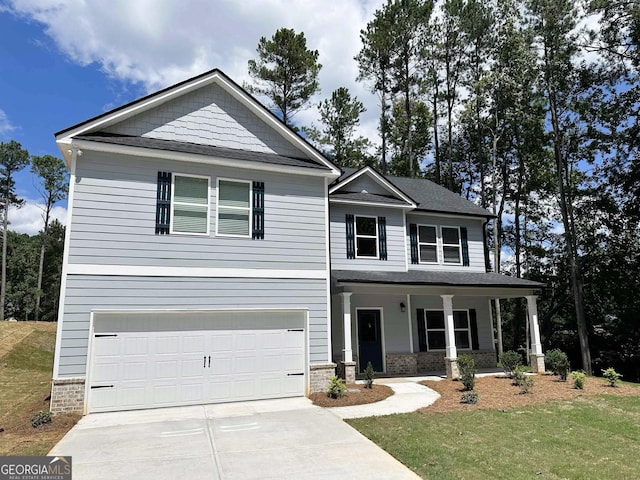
(184, 147)
(367, 197)
(416, 277)
(430, 196)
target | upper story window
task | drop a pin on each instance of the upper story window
(190, 204)
(451, 245)
(366, 233)
(431, 244)
(234, 208)
(428, 243)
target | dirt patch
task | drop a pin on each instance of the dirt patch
(359, 397)
(20, 438)
(499, 393)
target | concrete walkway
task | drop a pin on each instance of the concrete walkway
(408, 396)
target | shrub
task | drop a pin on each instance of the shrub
(612, 376)
(578, 379)
(556, 360)
(41, 418)
(369, 374)
(470, 397)
(336, 388)
(509, 360)
(518, 374)
(563, 369)
(467, 370)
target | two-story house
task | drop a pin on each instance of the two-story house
(214, 255)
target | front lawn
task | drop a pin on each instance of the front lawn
(26, 363)
(589, 437)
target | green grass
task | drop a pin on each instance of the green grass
(586, 438)
(25, 383)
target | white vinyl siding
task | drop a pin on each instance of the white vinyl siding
(190, 204)
(366, 237)
(234, 208)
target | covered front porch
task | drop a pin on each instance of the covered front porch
(414, 323)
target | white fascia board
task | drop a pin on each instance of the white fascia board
(194, 158)
(214, 77)
(379, 179)
(139, 107)
(201, 272)
(268, 118)
(371, 204)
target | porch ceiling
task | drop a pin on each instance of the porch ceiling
(492, 285)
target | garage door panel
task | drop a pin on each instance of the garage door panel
(162, 368)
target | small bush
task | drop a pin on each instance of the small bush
(563, 369)
(467, 370)
(556, 361)
(509, 360)
(41, 418)
(518, 374)
(336, 388)
(470, 397)
(612, 376)
(369, 374)
(578, 379)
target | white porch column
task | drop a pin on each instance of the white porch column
(451, 353)
(347, 352)
(537, 357)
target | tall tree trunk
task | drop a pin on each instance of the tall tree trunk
(569, 234)
(3, 280)
(436, 141)
(407, 107)
(383, 125)
(45, 232)
(497, 224)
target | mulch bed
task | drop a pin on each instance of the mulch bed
(362, 396)
(499, 393)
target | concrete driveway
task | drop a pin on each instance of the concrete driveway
(288, 438)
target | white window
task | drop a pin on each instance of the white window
(366, 233)
(434, 326)
(190, 204)
(428, 244)
(234, 208)
(451, 245)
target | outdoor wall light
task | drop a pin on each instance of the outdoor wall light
(403, 307)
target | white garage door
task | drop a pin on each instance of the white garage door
(158, 360)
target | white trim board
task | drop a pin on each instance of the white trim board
(380, 180)
(154, 271)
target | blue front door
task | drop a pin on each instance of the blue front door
(369, 340)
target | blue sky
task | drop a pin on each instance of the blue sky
(64, 61)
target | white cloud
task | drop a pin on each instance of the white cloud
(160, 43)
(5, 125)
(28, 218)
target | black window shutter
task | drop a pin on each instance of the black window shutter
(422, 331)
(382, 237)
(465, 246)
(258, 211)
(163, 203)
(473, 321)
(351, 243)
(413, 238)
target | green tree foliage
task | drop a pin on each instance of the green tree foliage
(54, 184)
(13, 158)
(340, 115)
(286, 72)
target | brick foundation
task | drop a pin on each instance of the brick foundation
(402, 364)
(319, 376)
(67, 395)
(435, 362)
(347, 371)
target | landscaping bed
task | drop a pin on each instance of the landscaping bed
(356, 395)
(498, 393)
